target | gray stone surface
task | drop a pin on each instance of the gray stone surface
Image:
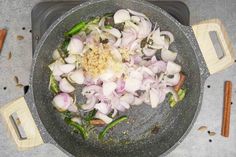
(16, 14)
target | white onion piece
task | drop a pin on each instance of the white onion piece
(108, 75)
(172, 68)
(128, 36)
(65, 86)
(154, 97)
(138, 101)
(149, 52)
(62, 101)
(66, 68)
(55, 68)
(120, 86)
(168, 55)
(135, 19)
(169, 35)
(75, 46)
(117, 43)
(101, 22)
(115, 32)
(145, 28)
(147, 71)
(77, 77)
(90, 90)
(121, 15)
(108, 88)
(117, 105)
(77, 120)
(91, 101)
(128, 98)
(125, 104)
(159, 66)
(103, 107)
(137, 13)
(172, 81)
(70, 59)
(56, 55)
(103, 117)
(58, 78)
(116, 55)
(157, 39)
(73, 108)
(132, 85)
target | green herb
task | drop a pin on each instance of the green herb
(108, 27)
(90, 115)
(181, 95)
(63, 47)
(83, 132)
(66, 114)
(53, 85)
(76, 29)
(111, 125)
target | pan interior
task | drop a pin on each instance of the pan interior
(148, 131)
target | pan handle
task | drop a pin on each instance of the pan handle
(202, 32)
(21, 124)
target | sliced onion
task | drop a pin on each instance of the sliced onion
(120, 86)
(121, 15)
(65, 86)
(125, 104)
(132, 85)
(149, 52)
(114, 113)
(117, 43)
(137, 13)
(135, 19)
(77, 77)
(172, 68)
(157, 39)
(116, 55)
(168, 55)
(169, 35)
(75, 46)
(103, 107)
(158, 66)
(91, 90)
(128, 37)
(172, 81)
(73, 108)
(128, 98)
(108, 88)
(145, 28)
(91, 101)
(138, 101)
(108, 75)
(115, 32)
(173, 92)
(66, 68)
(103, 117)
(56, 55)
(101, 22)
(62, 101)
(154, 97)
(71, 59)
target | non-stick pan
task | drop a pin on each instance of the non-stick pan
(149, 132)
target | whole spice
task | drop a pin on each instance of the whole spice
(202, 128)
(9, 56)
(16, 79)
(19, 37)
(3, 33)
(97, 122)
(227, 108)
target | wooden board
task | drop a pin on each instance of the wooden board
(33, 136)
(206, 45)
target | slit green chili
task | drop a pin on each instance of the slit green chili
(53, 85)
(76, 28)
(111, 125)
(80, 128)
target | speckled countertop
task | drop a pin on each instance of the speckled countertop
(16, 14)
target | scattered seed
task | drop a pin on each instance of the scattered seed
(23, 28)
(19, 37)
(209, 132)
(9, 56)
(202, 128)
(16, 79)
(210, 140)
(20, 85)
(212, 133)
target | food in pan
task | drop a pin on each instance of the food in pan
(119, 60)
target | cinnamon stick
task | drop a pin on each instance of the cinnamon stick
(3, 33)
(181, 82)
(227, 109)
(97, 122)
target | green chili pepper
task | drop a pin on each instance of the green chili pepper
(76, 29)
(110, 125)
(80, 128)
(90, 115)
(94, 20)
(108, 27)
(181, 95)
(53, 85)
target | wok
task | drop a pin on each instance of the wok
(150, 132)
